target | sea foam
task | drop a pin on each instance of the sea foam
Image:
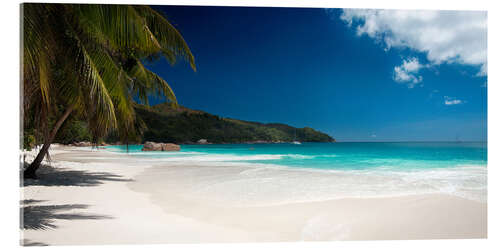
(315, 172)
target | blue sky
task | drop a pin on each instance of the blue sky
(358, 75)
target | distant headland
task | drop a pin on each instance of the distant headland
(166, 123)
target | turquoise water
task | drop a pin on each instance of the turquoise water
(321, 171)
(334, 156)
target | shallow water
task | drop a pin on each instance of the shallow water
(317, 171)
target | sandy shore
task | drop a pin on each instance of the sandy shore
(98, 197)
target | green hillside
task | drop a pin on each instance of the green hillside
(183, 125)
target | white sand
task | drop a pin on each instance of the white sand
(106, 198)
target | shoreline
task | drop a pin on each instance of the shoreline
(98, 197)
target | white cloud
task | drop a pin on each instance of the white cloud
(444, 36)
(407, 72)
(452, 101)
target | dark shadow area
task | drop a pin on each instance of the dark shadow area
(39, 217)
(29, 202)
(49, 176)
(29, 243)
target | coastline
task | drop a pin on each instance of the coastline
(99, 197)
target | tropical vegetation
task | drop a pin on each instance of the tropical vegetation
(85, 62)
(167, 123)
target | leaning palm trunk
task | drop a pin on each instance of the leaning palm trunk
(30, 171)
(89, 57)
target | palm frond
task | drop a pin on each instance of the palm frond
(120, 25)
(147, 84)
(89, 57)
(98, 101)
(44, 71)
(172, 42)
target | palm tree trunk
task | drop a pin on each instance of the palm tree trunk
(30, 171)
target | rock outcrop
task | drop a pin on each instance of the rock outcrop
(83, 144)
(158, 146)
(202, 141)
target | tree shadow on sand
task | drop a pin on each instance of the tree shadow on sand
(49, 176)
(40, 217)
(30, 243)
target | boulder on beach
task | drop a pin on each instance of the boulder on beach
(202, 141)
(83, 144)
(158, 146)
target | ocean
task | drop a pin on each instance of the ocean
(318, 171)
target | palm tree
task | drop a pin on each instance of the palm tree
(87, 60)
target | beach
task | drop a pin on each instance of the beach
(100, 197)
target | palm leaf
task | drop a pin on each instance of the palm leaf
(172, 43)
(147, 84)
(90, 57)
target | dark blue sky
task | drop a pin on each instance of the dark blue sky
(306, 67)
